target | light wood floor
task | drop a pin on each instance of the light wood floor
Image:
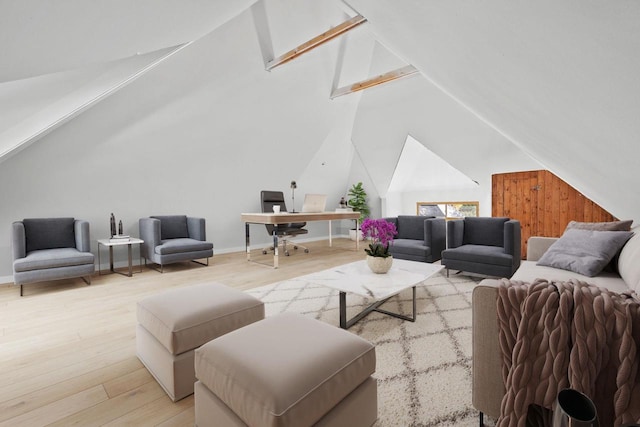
(67, 350)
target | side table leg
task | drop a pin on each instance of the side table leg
(343, 310)
(111, 258)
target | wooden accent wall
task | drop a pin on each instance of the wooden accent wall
(543, 203)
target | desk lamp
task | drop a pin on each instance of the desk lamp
(293, 200)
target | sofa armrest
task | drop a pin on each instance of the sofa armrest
(455, 233)
(18, 240)
(435, 236)
(150, 233)
(537, 246)
(196, 228)
(81, 230)
(487, 387)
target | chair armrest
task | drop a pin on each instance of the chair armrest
(537, 246)
(81, 229)
(487, 386)
(435, 236)
(512, 238)
(455, 232)
(150, 233)
(196, 228)
(18, 240)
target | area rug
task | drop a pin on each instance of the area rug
(423, 368)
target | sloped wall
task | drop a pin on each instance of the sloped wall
(201, 134)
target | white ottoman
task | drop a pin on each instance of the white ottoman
(286, 370)
(172, 324)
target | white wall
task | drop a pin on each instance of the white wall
(201, 134)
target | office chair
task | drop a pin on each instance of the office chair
(285, 231)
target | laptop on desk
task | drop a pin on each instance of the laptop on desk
(314, 203)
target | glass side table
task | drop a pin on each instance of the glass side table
(108, 243)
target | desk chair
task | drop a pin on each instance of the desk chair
(285, 231)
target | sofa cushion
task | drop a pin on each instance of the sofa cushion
(484, 231)
(529, 271)
(601, 226)
(628, 265)
(480, 254)
(585, 252)
(178, 246)
(49, 233)
(411, 227)
(52, 258)
(173, 226)
(410, 246)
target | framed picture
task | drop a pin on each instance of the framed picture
(448, 210)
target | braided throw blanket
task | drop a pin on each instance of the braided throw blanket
(556, 335)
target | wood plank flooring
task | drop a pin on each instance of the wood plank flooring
(67, 350)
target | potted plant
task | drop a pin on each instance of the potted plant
(358, 202)
(381, 233)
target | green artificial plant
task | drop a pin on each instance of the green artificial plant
(358, 201)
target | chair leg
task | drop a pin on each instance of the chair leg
(20, 290)
(448, 276)
(481, 419)
(87, 280)
(201, 263)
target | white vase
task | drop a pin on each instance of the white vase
(352, 234)
(379, 265)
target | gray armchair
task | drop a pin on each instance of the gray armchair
(420, 238)
(51, 249)
(174, 238)
(483, 245)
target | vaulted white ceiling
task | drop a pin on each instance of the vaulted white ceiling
(557, 80)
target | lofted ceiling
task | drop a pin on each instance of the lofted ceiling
(559, 80)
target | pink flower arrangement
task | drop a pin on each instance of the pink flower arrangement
(382, 233)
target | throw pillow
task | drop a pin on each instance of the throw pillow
(601, 226)
(585, 252)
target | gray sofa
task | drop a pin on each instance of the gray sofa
(420, 238)
(484, 245)
(488, 388)
(50, 249)
(174, 238)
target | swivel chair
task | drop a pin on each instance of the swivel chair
(283, 232)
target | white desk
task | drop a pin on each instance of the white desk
(357, 278)
(109, 244)
(276, 219)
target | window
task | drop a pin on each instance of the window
(448, 210)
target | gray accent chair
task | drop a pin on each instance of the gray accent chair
(51, 249)
(484, 245)
(174, 238)
(419, 238)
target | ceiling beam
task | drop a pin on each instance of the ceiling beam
(317, 41)
(375, 81)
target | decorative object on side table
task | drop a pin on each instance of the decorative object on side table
(112, 225)
(381, 233)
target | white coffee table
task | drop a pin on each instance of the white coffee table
(357, 278)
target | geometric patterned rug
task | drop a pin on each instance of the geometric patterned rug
(423, 368)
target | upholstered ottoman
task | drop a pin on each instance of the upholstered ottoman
(172, 324)
(286, 370)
